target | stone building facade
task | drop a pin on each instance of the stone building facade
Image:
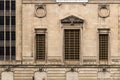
(61, 40)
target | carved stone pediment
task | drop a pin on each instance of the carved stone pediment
(72, 20)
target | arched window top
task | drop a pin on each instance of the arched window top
(72, 20)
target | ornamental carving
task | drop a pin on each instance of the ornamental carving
(103, 11)
(40, 11)
(72, 20)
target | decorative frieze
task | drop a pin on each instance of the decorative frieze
(115, 60)
(89, 60)
(27, 60)
(54, 60)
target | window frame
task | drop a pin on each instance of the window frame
(80, 27)
(79, 46)
(104, 31)
(72, 22)
(40, 31)
(8, 43)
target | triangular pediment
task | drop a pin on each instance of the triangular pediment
(72, 20)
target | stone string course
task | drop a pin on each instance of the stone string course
(89, 1)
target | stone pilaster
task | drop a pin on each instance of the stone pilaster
(119, 30)
(18, 29)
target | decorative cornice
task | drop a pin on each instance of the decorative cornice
(54, 1)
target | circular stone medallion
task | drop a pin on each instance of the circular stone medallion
(40, 12)
(104, 12)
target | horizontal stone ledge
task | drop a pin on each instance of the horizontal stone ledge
(60, 66)
(54, 1)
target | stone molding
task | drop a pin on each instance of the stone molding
(54, 1)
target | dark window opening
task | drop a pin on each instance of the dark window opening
(40, 46)
(13, 20)
(7, 35)
(13, 35)
(1, 35)
(103, 47)
(1, 5)
(1, 20)
(1, 53)
(7, 20)
(71, 39)
(7, 30)
(13, 5)
(13, 51)
(7, 5)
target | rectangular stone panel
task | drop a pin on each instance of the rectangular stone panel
(72, 76)
(40, 76)
(7, 76)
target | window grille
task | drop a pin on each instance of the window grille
(7, 30)
(40, 45)
(103, 47)
(72, 44)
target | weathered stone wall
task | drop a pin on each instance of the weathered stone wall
(28, 73)
(25, 66)
(88, 12)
